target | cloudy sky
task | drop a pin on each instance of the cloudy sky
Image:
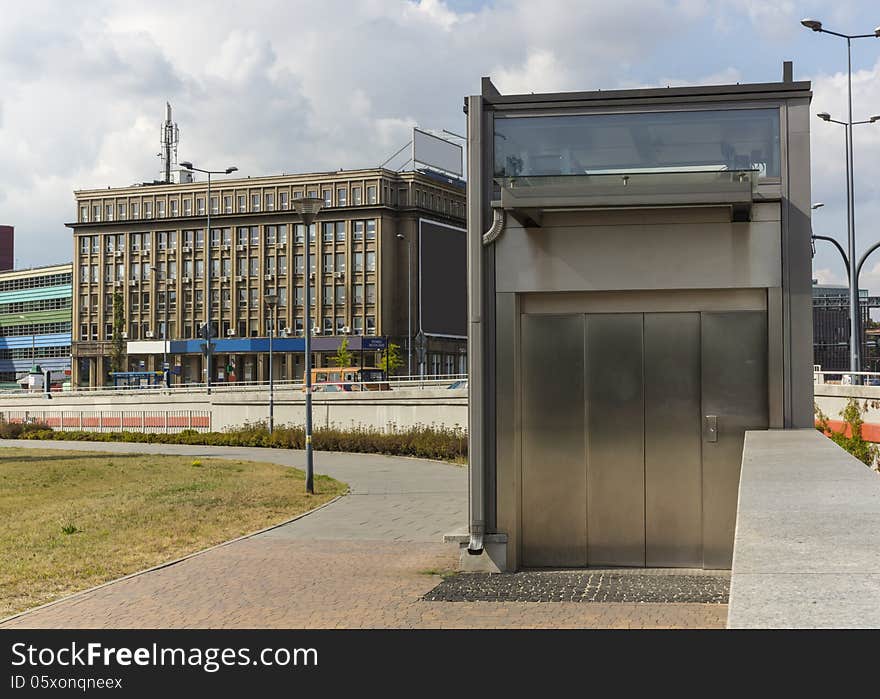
(288, 85)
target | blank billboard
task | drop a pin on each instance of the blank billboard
(442, 279)
(436, 152)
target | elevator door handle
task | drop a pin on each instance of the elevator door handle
(711, 427)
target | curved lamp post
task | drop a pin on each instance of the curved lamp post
(308, 208)
(208, 326)
(271, 301)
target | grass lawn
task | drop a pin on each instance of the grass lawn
(72, 520)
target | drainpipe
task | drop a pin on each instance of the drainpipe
(476, 378)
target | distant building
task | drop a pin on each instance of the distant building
(831, 328)
(149, 244)
(35, 321)
(7, 248)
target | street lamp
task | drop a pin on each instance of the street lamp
(401, 236)
(208, 326)
(271, 300)
(308, 208)
(855, 350)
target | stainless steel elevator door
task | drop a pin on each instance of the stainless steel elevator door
(554, 503)
(734, 394)
(673, 471)
(615, 440)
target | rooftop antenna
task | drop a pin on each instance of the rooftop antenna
(168, 139)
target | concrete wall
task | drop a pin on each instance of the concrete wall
(401, 408)
(832, 398)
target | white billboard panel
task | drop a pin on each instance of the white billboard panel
(436, 152)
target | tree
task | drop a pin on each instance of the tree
(390, 360)
(343, 357)
(117, 352)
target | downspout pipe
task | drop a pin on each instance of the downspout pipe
(476, 358)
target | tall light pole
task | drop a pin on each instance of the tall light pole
(855, 343)
(271, 300)
(401, 236)
(308, 208)
(208, 326)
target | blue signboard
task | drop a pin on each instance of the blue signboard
(373, 343)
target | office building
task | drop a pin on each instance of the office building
(149, 245)
(35, 322)
(7, 248)
(639, 275)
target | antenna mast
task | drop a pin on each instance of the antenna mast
(168, 139)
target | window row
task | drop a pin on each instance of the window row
(35, 352)
(37, 282)
(224, 202)
(34, 329)
(56, 304)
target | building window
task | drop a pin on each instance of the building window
(282, 234)
(135, 210)
(200, 269)
(340, 262)
(371, 260)
(84, 245)
(340, 295)
(328, 197)
(371, 293)
(358, 290)
(341, 196)
(187, 207)
(328, 263)
(255, 202)
(298, 264)
(312, 193)
(357, 261)
(200, 239)
(108, 212)
(174, 209)
(371, 229)
(285, 200)
(371, 194)
(371, 325)
(358, 325)
(327, 232)
(282, 265)
(242, 203)
(96, 213)
(227, 204)
(271, 232)
(215, 205)
(358, 230)
(356, 196)
(270, 201)
(84, 214)
(299, 233)
(160, 208)
(215, 237)
(255, 236)
(148, 209)
(340, 231)
(200, 206)
(298, 296)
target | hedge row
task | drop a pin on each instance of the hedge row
(427, 442)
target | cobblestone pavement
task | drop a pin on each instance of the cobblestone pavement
(584, 586)
(365, 561)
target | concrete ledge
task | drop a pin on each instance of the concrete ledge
(807, 547)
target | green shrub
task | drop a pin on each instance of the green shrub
(21, 430)
(855, 443)
(423, 441)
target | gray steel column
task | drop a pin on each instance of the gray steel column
(476, 377)
(855, 349)
(207, 289)
(310, 469)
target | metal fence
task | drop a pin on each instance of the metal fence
(157, 421)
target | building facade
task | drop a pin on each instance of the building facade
(148, 244)
(35, 322)
(831, 328)
(639, 297)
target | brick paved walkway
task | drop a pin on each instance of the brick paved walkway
(362, 562)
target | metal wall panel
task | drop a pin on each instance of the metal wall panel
(554, 518)
(673, 471)
(734, 396)
(615, 455)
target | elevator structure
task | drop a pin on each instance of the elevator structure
(639, 297)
